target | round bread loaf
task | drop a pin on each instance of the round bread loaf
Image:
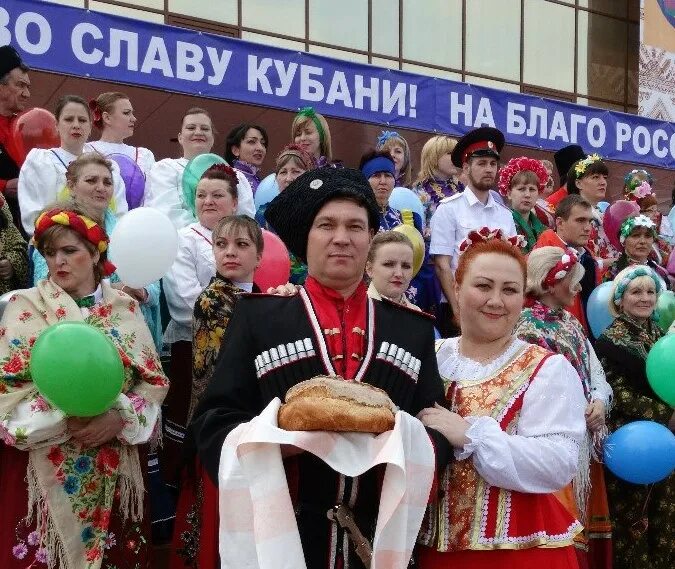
(326, 403)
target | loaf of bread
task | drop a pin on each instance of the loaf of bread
(326, 403)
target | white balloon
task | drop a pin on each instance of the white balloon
(143, 246)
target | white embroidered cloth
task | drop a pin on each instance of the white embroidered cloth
(257, 523)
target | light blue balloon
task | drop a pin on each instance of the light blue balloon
(437, 334)
(597, 309)
(642, 452)
(602, 206)
(267, 191)
(403, 198)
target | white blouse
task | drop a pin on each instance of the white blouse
(164, 192)
(189, 275)
(43, 176)
(542, 456)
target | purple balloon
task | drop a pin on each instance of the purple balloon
(134, 179)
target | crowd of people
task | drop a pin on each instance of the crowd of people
(481, 331)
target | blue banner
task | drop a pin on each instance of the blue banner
(79, 42)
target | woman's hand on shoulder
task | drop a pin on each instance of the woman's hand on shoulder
(451, 425)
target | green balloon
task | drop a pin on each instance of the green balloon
(193, 173)
(665, 307)
(77, 368)
(661, 368)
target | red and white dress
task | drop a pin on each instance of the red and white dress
(496, 506)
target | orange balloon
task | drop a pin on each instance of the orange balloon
(35, 128)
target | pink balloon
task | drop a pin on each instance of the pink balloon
(275, 265)
(614, 216)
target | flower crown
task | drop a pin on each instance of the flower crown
(485, 234)
(522, 164)
(639, 271)
(636, 192)
(582, 165)
(222, 168)
(632, 222)
(386, 135)
(562, 267)
(631, 182)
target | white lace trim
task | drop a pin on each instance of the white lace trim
(453, 366)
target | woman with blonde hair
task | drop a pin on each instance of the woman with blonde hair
(390, 267)
(397, 146)
(437, 178)
(310, 131)
(553, 280)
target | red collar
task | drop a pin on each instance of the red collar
(320, 292)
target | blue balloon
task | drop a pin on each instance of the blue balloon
(403, 198)
(267, 191)
(642, 452)
(597, 309)
(602, 206)
(437, 334)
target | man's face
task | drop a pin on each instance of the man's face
(481, 172)
(338, 243)
(14, 92)
(576, 229)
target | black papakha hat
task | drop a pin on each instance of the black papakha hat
(565, 157)
(483, 141)
(292, 212)
(9, 59)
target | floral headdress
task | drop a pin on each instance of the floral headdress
(84, 226)
(632, 222)
(485, 234)
(562, 267)
(386, 135)
(635, 191)
(521, 164)
(639, 271)
(631, 181)
(582, 165)
(221, 168)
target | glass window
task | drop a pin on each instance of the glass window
(385, 32)
(271, 40)
(503, 85)
(340, 23)
(432, 72)
(493, 38)
(126, 12)
(432, 32)
(613, 7)
(287, 17)
(221, 11)
(338, 53)
(155, 4)
(602, 56)
(386, 63)
(548, 58)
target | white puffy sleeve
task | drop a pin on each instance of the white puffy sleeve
(163, 192)
(39, 184)
(181, 283)
(542, 456)
(119, 191)
(600, 389)
(245, 203)
(146, 160)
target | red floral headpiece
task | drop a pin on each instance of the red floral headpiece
(559, 271)
(486, 234)
(96, 115)
(521, 164)
(222, 168)
(81, 224)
